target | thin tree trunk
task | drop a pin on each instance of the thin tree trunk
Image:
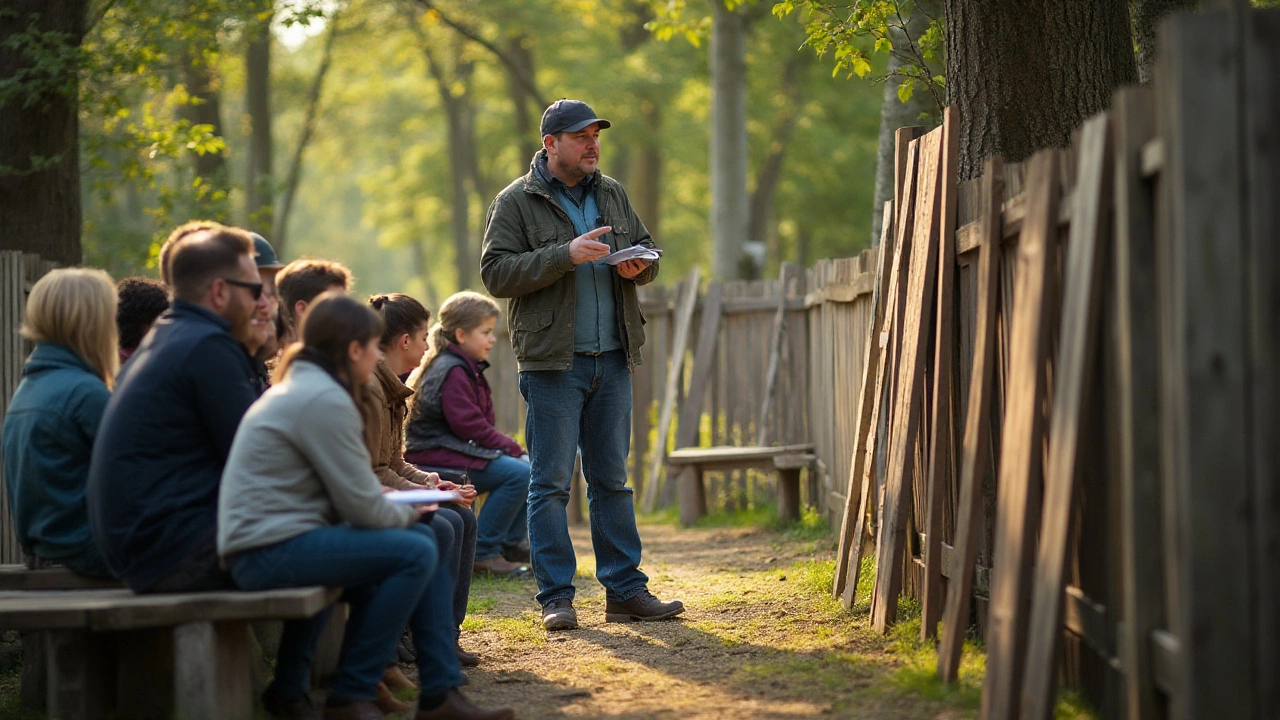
(1023, 75)
(646, 191)
(521, 98)
(895, 114)
(259, 199)
(39, 142)
(729, 202)
(280, 227)
(770, 172)
(205, 109)
(1147, 14)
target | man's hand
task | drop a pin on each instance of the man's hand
(631, 268)
(585, 248)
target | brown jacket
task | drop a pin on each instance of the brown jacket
(383, 406)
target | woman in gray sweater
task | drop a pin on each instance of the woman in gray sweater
(300, 505)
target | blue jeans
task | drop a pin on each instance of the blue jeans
(455, 528)
(504, 519)
(392, 577)
(587, 407)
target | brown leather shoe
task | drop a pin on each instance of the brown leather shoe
(396, 681)
(466, 659)
(499, 566)
(457, 707)
(642, 606)
(358, 710)
(388, 703)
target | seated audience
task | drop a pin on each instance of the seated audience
(403, 344)
(165, 435)
(452, 425)
(301, 506)
(52, 423)
(141, 301)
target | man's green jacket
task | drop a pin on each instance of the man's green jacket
(526, 259)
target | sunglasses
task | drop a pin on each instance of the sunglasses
(255, 289)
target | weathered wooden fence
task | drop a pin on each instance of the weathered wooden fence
(18, 271)
(1080, 450)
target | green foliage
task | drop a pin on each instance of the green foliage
(851, 33)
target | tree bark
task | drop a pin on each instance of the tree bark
(280, 225)
(521, 98)
(1147, 14)
(259, 193)
(39, 145)
(770, 172)
(1024, 75)
(205, 109)
(646, 190)
(729, 204)
(895, 114)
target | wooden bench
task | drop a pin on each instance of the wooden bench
(788, 460)
(19, 577)
(112, 653)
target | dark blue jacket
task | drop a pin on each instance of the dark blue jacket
(153, 485)
(49, 432)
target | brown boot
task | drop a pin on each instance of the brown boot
(387, 702)
(457, 707)
(396, 681)
(466, 659)
(499, 567)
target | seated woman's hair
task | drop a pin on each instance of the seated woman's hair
(462, 311)
(76, 307)
(330, 325)
(142, 300)
(401, 313)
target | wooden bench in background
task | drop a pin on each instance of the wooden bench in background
(788, 460)
(112, 653)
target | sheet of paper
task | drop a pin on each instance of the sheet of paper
(422, 497)
(635, 252)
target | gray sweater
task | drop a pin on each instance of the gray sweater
(299, 462)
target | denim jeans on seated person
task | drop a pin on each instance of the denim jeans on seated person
(392, 577)
(455, 528)
(587, 407)
(504, 519)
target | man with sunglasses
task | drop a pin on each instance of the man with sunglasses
(164, 438)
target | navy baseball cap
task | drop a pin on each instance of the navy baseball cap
(569, 116)
(264, 255)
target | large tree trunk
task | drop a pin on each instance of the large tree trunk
(895, 114)
(729, 209)
(259, 195)
(39, 142)
(1023, 75)
(1147, 14)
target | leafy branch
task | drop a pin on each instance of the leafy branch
(843, 30)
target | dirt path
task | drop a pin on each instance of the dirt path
(760, 639)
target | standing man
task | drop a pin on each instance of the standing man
(576, 329)
(157, 463)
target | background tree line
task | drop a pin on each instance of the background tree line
(377, 131)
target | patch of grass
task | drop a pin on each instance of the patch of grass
(478, 605)
(1071, 705)
(829, 671)
(527, 628)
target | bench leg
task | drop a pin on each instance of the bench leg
(144, 674)
(80, 671)
(212, 676)
(34, 690)
(789, 494)
(693, 497)
(328, 650)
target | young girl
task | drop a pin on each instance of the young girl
(404, 342)
(51, 423)
(452, 425)
(299, 505)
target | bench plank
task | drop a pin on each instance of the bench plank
(121, 609)
(714, 456)
(18, 577)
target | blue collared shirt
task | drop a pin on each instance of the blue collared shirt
(595, 315)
